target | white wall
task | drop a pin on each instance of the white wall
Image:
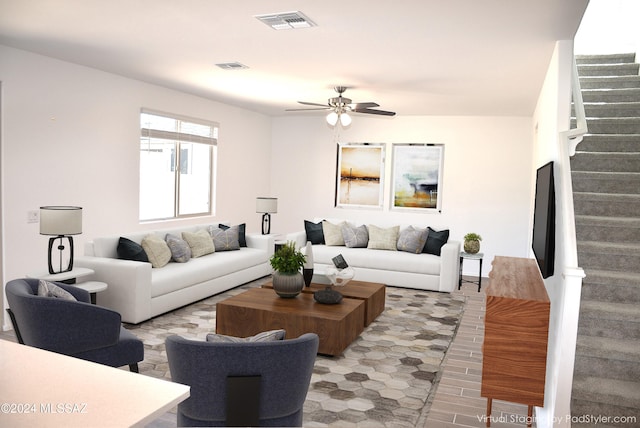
(551, 119)
(71, 137)
(486, 184)
(609, 26)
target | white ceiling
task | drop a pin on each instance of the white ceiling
(415, 57)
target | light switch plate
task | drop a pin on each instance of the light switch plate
(33, 216)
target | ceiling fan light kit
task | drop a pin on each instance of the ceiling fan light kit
(340, 107)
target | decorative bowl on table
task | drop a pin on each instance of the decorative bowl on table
(338, 278)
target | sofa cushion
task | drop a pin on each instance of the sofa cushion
(201, 270)
(355, 236)
(49, 289)
(130, 250)
(225, 239)
(435, 241)
(265, 336)
(180, 250)
(383, 239)
(412, 239)
(242, 232)
(395, 261)
(157, 250)
(200, 242)
(314, 232)
(332, 233)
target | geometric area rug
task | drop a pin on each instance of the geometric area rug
(386, 378)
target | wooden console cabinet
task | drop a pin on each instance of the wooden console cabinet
(514, 354)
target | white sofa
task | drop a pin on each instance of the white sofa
(397, 268)
(139, 292)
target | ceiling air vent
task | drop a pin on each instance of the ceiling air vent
(286, 20)
(231, 66)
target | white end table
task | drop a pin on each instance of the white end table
(71, 276)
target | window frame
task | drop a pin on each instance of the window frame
(177, 139)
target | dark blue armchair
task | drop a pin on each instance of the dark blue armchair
(243, 384)
(75, 328)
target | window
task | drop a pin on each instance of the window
(177, 155)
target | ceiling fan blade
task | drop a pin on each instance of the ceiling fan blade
(371, 111)
(356, 106)
(313, 104)
(305, 109)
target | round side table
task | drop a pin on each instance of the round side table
(469, 256)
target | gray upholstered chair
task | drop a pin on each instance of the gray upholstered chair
(243, 384)
(75, 328)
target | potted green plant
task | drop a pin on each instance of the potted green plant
(472, 243)
(286, 263)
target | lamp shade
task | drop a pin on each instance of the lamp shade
(60, 220)
(267, 205)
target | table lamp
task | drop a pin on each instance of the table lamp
(60, 222)
(267, 206)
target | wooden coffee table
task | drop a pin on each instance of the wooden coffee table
(372, 293)
(261, 309)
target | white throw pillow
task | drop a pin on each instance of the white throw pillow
(383, 239)
(332, 233)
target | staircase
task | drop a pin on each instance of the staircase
(606, 185)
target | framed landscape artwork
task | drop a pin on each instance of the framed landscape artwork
(360, 174)
(417, 176)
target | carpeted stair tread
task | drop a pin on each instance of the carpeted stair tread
(610, 247)
(621, 69)
(608, 58)
(606, 162)
(612, 277)
(617, 82)
(610, 391)
(605, 347)
(606, 182)
(611, 286)
(609, 255)
(593, 220)
(610, 143)
(628, 312)
(608, 228)
(603, 204)
(611, 110)
(611, 95)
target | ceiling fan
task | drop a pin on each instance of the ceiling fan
(340, 107)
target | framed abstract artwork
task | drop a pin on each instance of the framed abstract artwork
(360, 175)
(417, 176)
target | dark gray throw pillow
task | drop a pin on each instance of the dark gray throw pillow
(130, 250)
(314, 232)
(242, 232)
(435, 241)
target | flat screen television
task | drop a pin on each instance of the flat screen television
(544, 220)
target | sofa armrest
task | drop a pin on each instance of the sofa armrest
(300, 238)
(450, 268)
(261, 242)
(128, 286)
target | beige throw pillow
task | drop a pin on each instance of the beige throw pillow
(332, 233)
(158, 252)
(200, 242)
(383, 239)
